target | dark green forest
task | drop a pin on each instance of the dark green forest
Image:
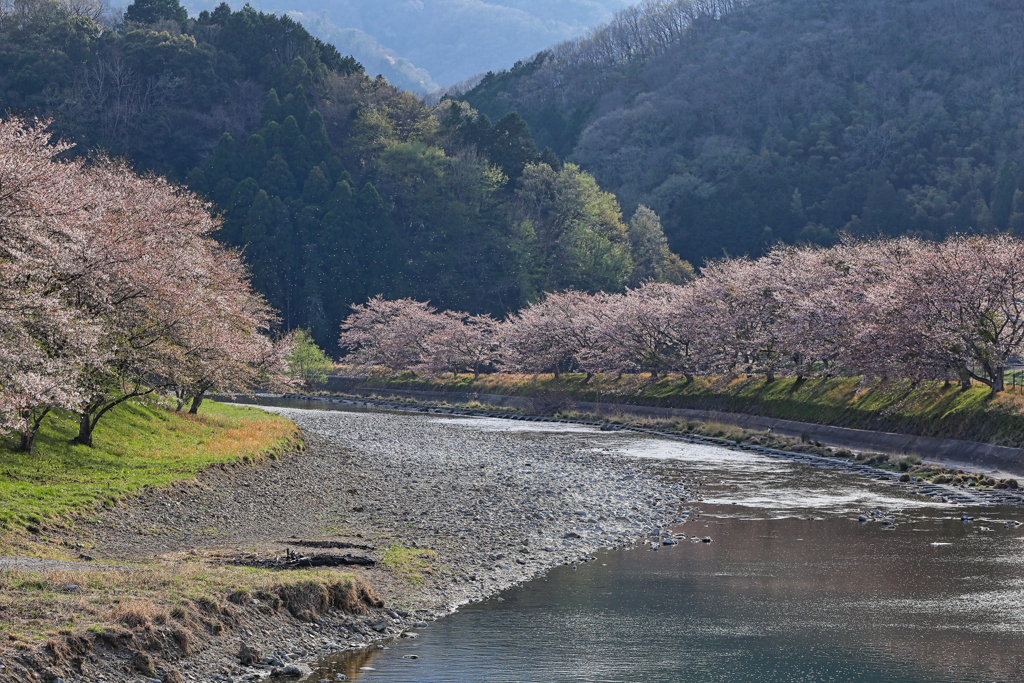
(745, 123)
(336, 186)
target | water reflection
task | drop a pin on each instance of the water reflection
(768, 600)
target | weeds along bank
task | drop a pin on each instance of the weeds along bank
(924, 408)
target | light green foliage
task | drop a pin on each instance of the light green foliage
(574, 228)
(308, 361)
(652, 259)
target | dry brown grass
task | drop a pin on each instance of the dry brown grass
(182, 599)
(138, 614)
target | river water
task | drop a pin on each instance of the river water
(775, 597)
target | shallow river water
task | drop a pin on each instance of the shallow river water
(774, 597)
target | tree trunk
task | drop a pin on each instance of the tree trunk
(965, 379)
(557, 373)
(770, 376)
(998, 381)
(688, 376)
(589, 376)
(85, 426)
(197, 401)
(28, 436)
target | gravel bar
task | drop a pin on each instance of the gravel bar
(500, 502)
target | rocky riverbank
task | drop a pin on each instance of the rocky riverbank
(430, 511)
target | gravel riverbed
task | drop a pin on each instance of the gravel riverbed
(499, 502)
(451, 509)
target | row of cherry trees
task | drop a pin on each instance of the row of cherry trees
(111, 287)
(891, 309)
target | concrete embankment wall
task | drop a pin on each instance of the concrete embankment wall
(968, 455)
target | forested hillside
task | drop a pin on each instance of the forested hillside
(336, 186)
(419, 44)
(744, 123)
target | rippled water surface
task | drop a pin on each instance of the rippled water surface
(774, 597)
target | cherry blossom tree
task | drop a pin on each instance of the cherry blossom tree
(743, 314)
(898, 309)
(111, 287)
(951, 308)
(461, 342)
(560, 330)
(223, 341)
(392, 334)
(44, 338)
(654, 328)
(141, 274)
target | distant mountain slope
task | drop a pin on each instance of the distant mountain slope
(337, 185)
(450, 40)
(741, 124)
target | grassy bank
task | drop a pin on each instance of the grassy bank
(136, 446)
(927, 409)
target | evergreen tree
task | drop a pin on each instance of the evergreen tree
(152, 11)
(254, 157)
(315, 189)
(1002, 195)
(277, 179)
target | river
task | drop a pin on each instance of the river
(792, 587)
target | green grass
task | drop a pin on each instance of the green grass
(135, 446)
(412, 563)
(928, 408)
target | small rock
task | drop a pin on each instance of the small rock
(248, 656)
(572, 534)
(296, 670)
(410, 656)
(379, 626)
(706, 539)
